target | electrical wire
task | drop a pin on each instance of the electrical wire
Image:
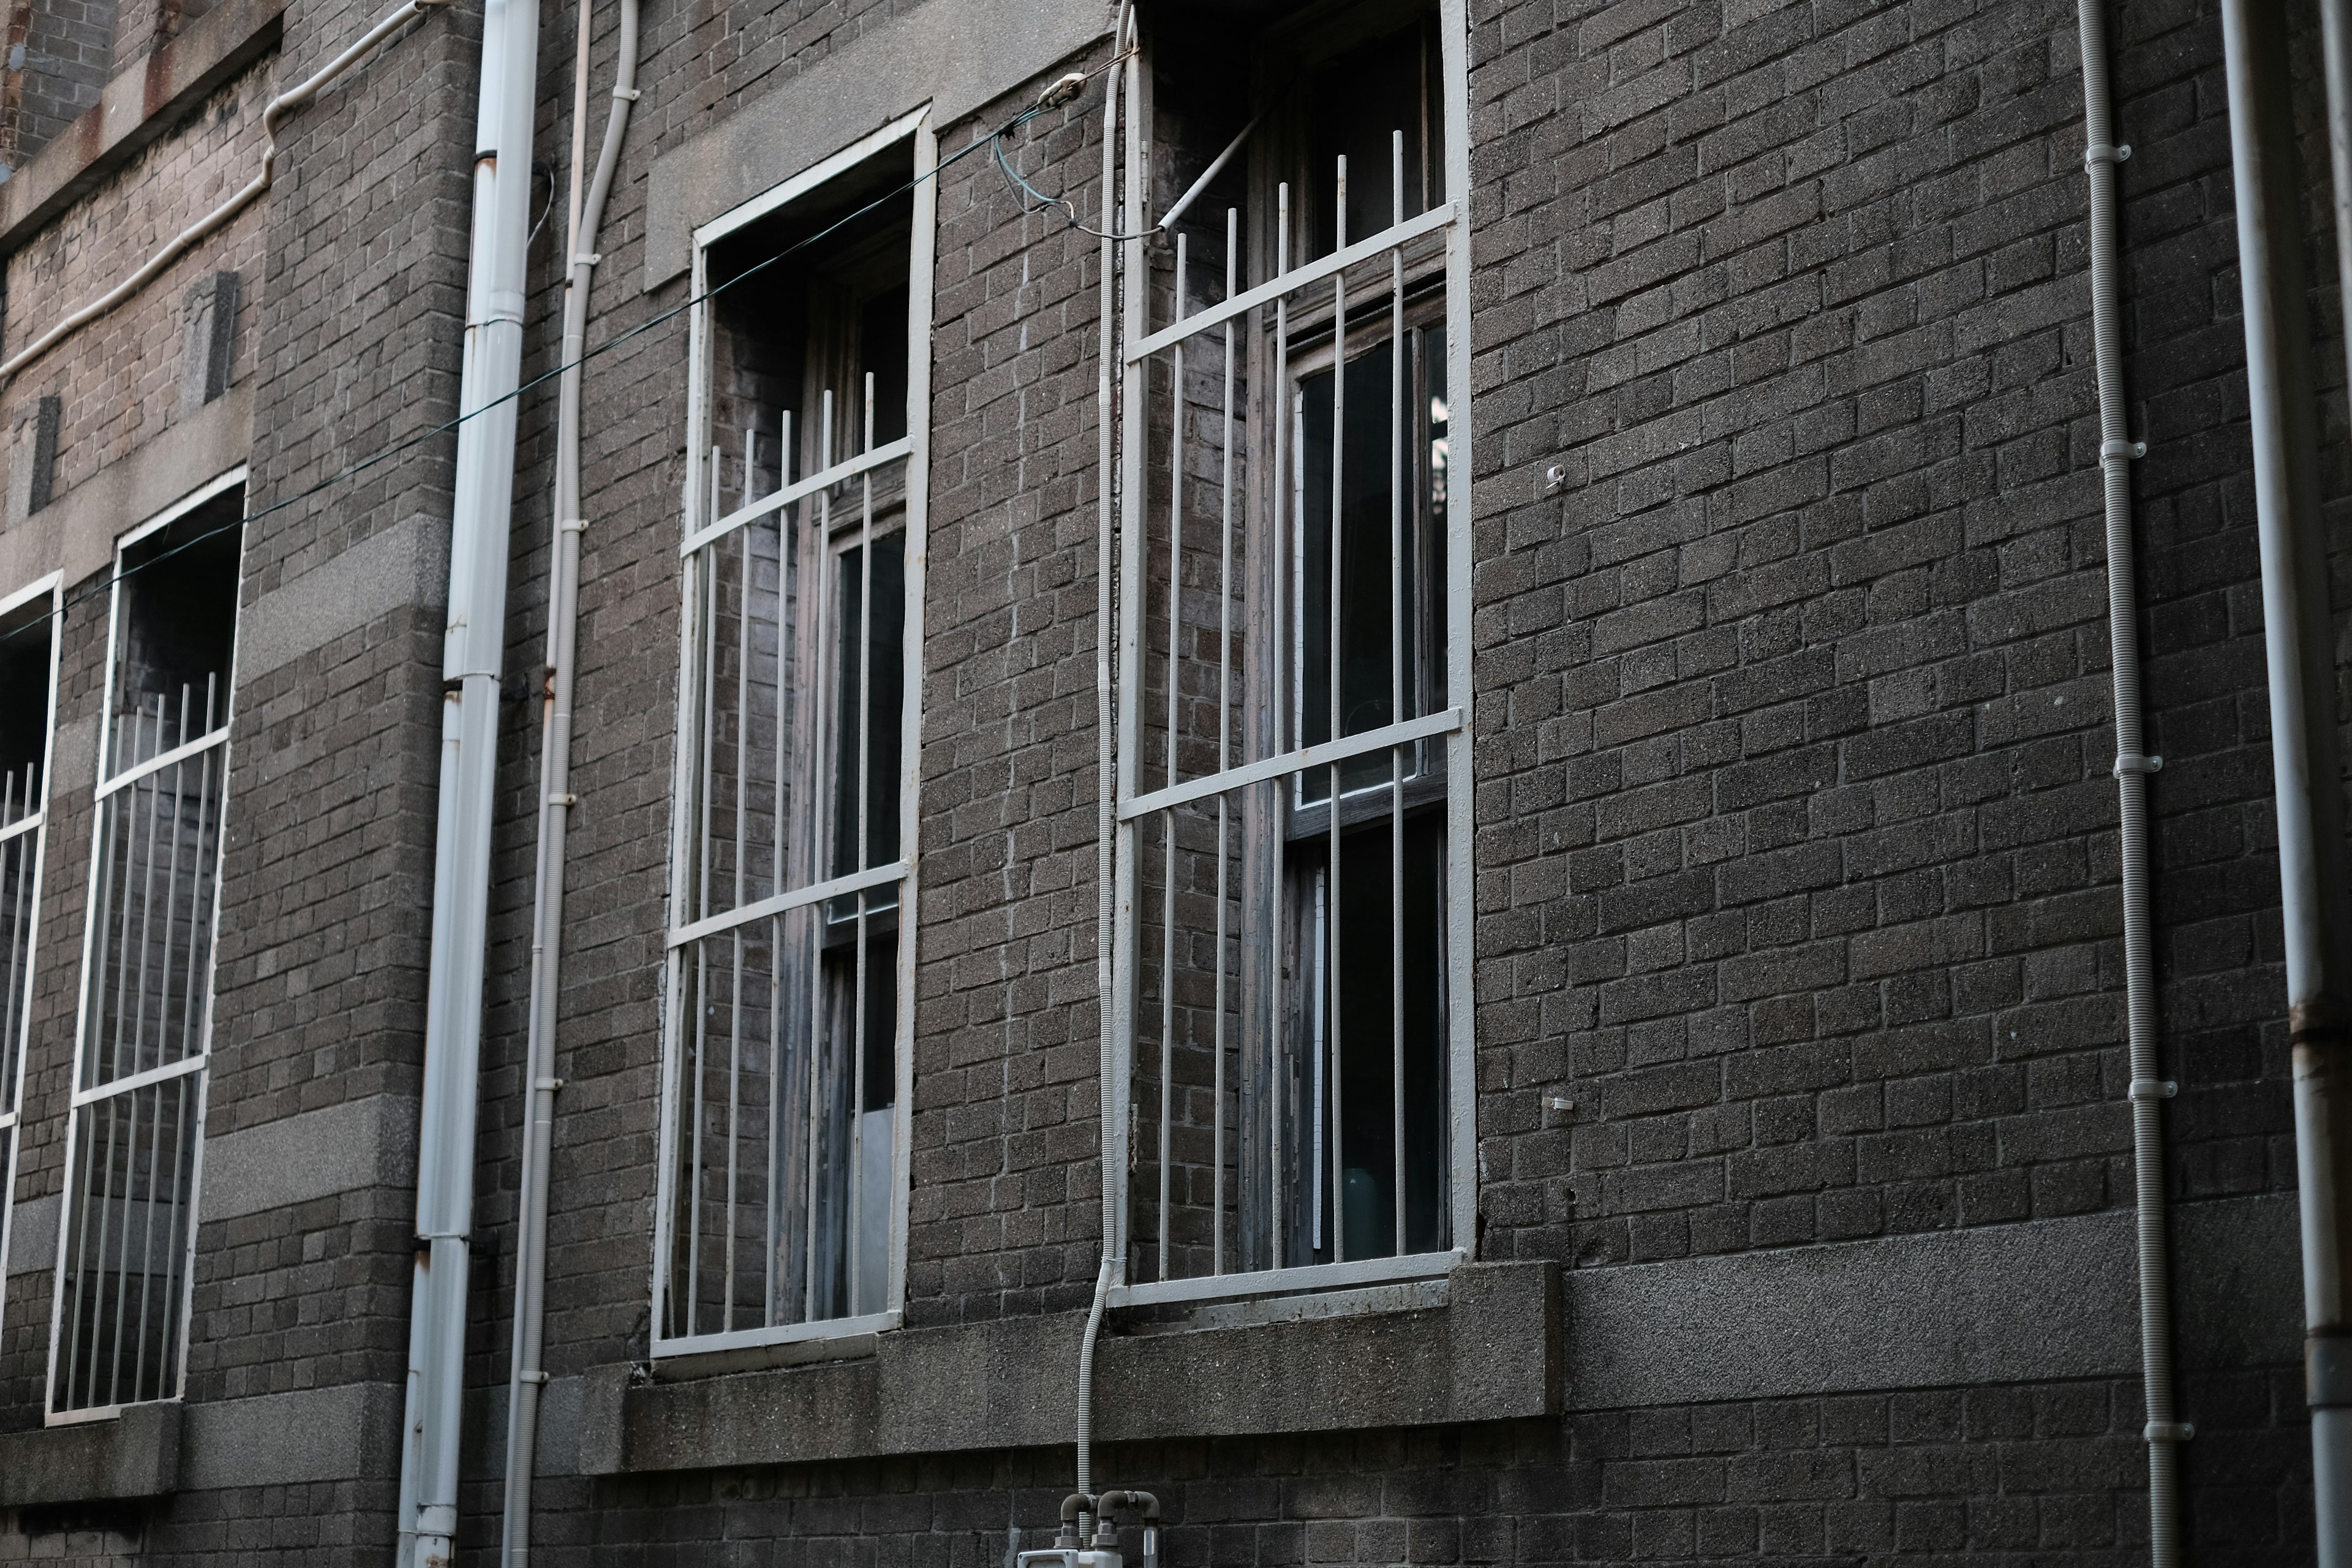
(537, 169)
(413, 442)
(1019, 187)
(1060, 93)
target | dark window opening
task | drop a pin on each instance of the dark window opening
(178, 631)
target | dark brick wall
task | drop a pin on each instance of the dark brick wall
(1795, 850)
(1797, 860)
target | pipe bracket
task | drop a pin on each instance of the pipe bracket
(2153, 1089)
(2126, 450)
(2317, 1022)
(2327, 1369)
(2104, 153)
(2167, 1432)
(2135, 763)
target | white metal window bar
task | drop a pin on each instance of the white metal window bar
(134, 1136)
(29, 685)
(789, 980)
(1249, 795)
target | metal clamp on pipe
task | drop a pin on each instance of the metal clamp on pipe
(2327, 1369)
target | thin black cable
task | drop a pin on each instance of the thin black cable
(388, 453)
(1018, 185)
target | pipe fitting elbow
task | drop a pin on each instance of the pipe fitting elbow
(1144, 1504)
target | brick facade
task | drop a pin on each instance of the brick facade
(1794, 832)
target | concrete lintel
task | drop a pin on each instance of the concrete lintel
(135, 1455)
(957, 57)
(313, 1155)
(2042, 1301)
(78, 529)
(140, 104)
(1487, 1355)
(407, 564)
(343, 1433)
(32, 1234)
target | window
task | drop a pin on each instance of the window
(791, 968)
(28, 672)
(1294, 778)
(146, 997)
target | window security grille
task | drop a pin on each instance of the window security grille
(789, 976)
(27, 717)
(1293, 791)
(145, 1028)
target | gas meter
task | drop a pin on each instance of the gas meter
(1069, 1552)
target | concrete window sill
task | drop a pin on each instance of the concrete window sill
(135, 1455)
(1490, 1353)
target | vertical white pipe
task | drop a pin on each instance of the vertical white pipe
(2312, 879)
(526, 1375)
(2164, 1431)
(472, 654)
(1106, 816)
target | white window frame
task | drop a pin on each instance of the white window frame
(198, 1064)
(700, 529)
(36, 823)
(1139, 344)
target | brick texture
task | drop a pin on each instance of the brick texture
(1794, 833)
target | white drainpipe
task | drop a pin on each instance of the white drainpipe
(2165, 1431)
(472, 654)
(2315, 1018)
(2298, 643)
(526, 1376)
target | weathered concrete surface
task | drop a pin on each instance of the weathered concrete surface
(136, 1455)
(1487, 1355)
(2021, 1303)
(313, 1155)
(140, 104)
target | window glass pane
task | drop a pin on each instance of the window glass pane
(1362, 1023)
(1355, 105)
(25, 679)
(869, 740)
(780, 1192)
(125, 1261)
(177, 627)
(146, 989)
(1287, 1040)
(1390, 648)
(24, 707)
(882, 355)
(159, 856)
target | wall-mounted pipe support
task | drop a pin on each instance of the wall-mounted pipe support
(527, 1377)
(2164, 1431)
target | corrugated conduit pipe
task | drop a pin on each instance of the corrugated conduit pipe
(525, 1377)
(2165, 1431)
(284, 104)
